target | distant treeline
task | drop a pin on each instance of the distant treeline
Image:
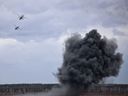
(11, 89)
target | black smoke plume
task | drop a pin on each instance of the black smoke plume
(87, 61)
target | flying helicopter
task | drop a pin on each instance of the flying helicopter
(17, 27)
(21, 17)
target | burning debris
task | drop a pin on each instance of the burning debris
(87, 61)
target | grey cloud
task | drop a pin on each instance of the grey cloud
(29, 62)
(103, 11)
(52, 18)
(119, 33)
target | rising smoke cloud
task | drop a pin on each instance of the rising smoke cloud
(86, 61)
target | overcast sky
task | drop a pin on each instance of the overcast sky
(33, 53)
